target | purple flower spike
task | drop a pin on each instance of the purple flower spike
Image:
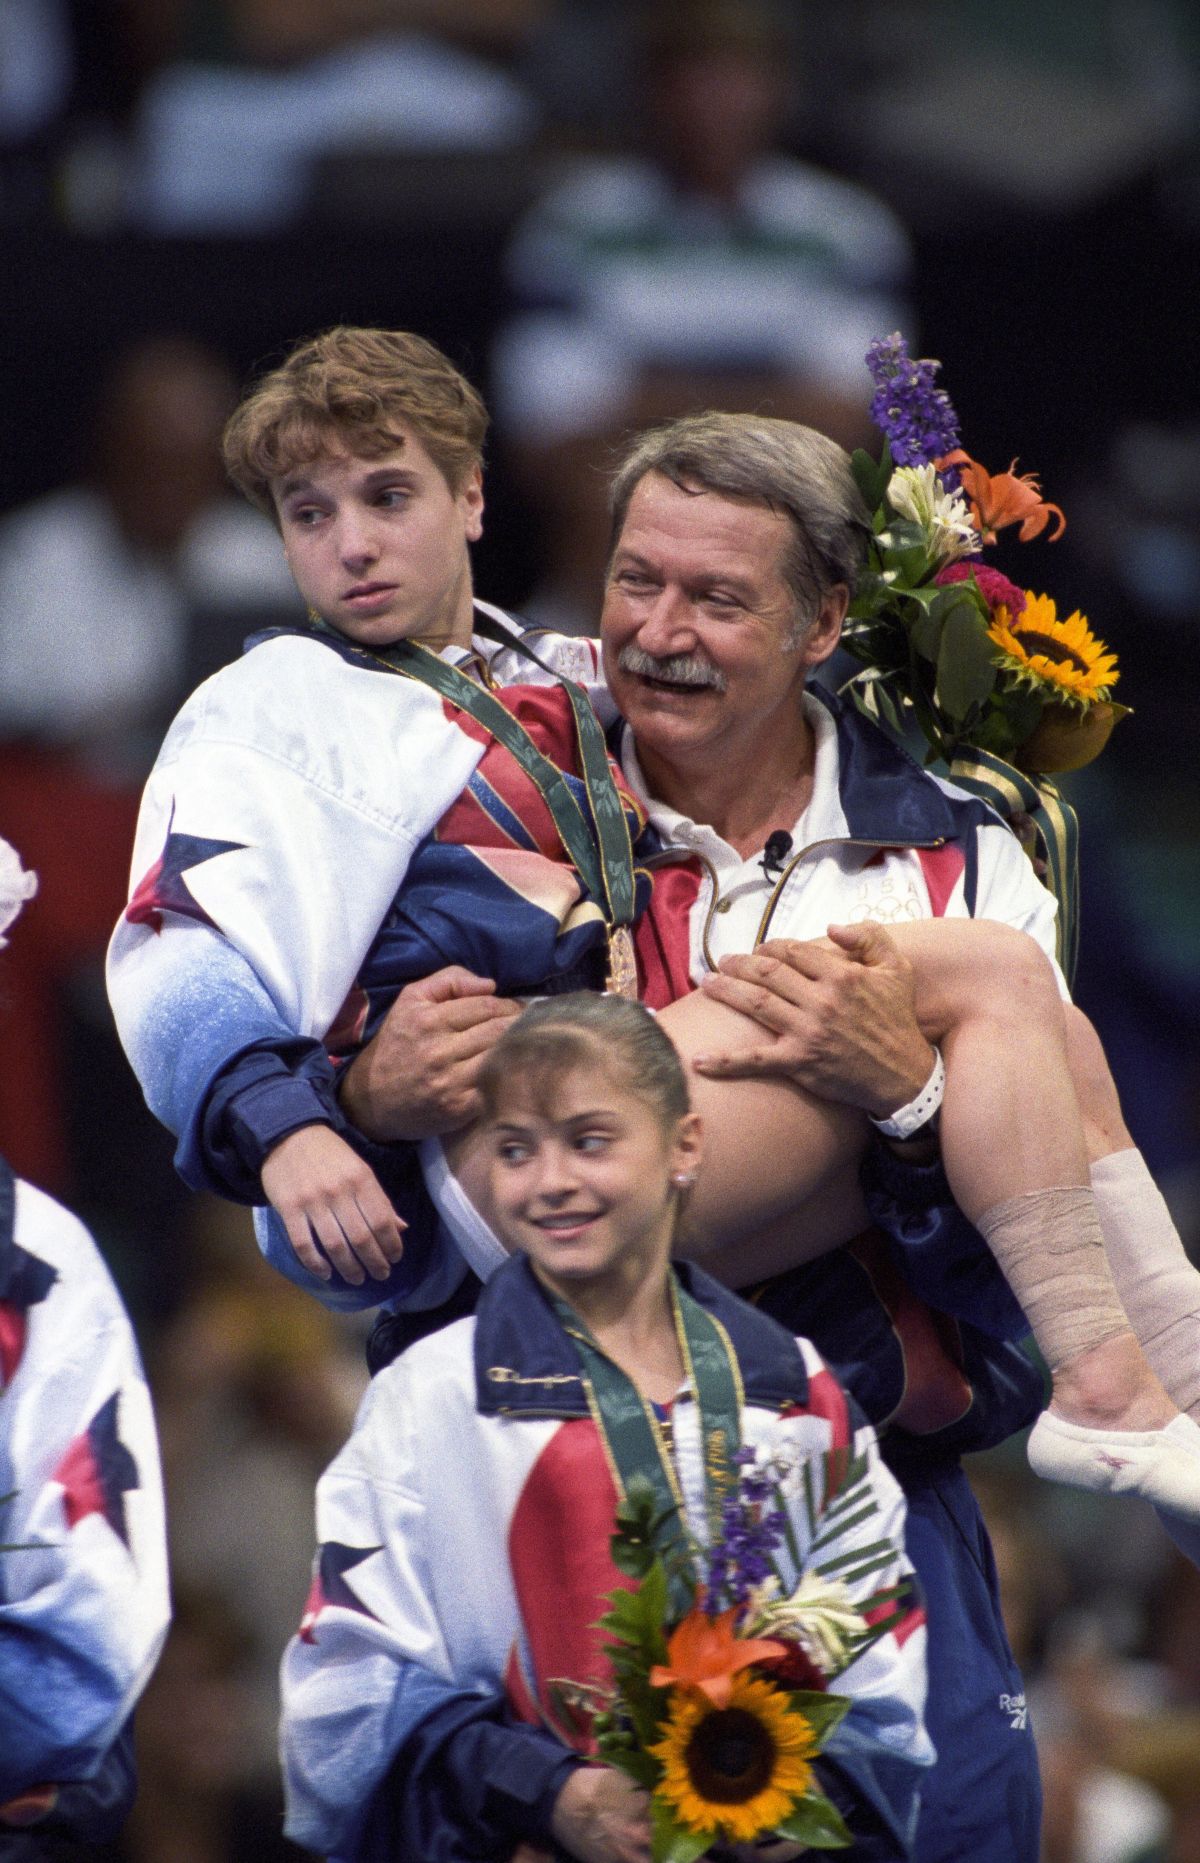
(749, 1533)
(917, 416)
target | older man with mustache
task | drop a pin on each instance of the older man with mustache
(735, 545)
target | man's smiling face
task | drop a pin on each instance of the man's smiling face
(700, 624)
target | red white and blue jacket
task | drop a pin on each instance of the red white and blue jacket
(318, 831)
(464, 1557)
(83, 1566)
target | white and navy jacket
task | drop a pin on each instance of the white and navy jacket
(316, 832)
(83, 1586)
(464, 1556)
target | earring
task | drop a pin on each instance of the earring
(683, 1180)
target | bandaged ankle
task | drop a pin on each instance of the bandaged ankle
(1050, 1246)
(1158, 1285)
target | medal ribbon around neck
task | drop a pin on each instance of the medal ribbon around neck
(632, 1435)
(601, 851)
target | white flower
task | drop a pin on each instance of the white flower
(819, 1616)
(16, 886)
(918, 494)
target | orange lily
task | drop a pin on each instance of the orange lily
(1004, 498)
(704, 1653)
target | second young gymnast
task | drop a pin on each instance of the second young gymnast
(465, 1529)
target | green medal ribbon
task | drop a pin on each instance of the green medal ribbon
(603, 858)
(1056, 832)
(629, 1428)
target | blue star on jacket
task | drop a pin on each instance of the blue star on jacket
(163, 888)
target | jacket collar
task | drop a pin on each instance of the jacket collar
(526, 1364)
(347, 649)
(866, 787)
(886, 797)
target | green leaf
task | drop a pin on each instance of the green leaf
(882, 707)
(635, 1618)
(1022, 708)
(672, 1842)
(905, 535)
(637, 1538)
(913, 564)
(822, 1711)
(870, 477)
(925, 594)
(926, 635)
(641, 1767)
(817, 1822)
(966, 670)
(647, 1708)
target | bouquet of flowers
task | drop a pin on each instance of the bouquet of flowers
(1003, 689)
(720, 1698)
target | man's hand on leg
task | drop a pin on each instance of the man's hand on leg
(838, 1013)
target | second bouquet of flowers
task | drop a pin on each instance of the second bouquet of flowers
(722, 1696)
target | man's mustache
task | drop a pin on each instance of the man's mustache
(677, 669)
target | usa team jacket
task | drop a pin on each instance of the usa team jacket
(463, 1561)
(318, 831)
(83, 1582)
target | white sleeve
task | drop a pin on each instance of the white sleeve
(83, 1598)
(274, 832)
(369, 1623)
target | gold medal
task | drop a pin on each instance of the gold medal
(622, 964)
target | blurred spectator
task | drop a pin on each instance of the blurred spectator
(1107, 1630)
(710, 248)
(706, 268)
(193, 1805)
(256, 1387)
(971, 106)
(231, 125)
(117, 594)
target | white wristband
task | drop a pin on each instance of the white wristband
(907, 1120)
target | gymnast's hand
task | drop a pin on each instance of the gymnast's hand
(333, 1206)
(839, 1014)
(601, 1816)
(416, 1079)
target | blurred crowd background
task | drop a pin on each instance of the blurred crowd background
(605, 212)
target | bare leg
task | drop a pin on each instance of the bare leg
(1018, 1140)
(780, 1178)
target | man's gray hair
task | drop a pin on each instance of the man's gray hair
(794, 470)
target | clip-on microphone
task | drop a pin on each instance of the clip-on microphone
(776, 851)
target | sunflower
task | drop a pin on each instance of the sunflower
(737, 1769)
(1046, 652)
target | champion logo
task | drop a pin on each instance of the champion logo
(1017, 1710)
(1112, 1461)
